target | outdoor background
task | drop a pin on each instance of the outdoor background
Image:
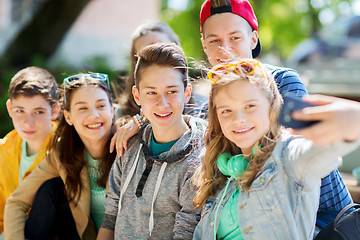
(319, 38)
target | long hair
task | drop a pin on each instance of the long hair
(69, 148)
(126, 100)
(209, 178)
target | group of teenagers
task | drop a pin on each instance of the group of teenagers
(165, 163)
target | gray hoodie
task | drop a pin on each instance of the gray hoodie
(156, 192)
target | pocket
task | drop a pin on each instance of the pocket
(209, 204)
(268, 188)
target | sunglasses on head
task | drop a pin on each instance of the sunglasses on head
(75, 78)
(241, 68)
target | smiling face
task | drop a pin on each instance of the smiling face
(90, 113)
(243, 111)
(32, 118)
(227, 36)
(162, 96)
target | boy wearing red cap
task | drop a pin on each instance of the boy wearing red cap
(229, 31)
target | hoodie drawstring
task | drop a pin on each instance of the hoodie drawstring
(157, 187)
(156, 191)
(128, 179)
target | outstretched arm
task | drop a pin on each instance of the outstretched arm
(339, 119)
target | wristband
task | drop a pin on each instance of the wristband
(138, 120)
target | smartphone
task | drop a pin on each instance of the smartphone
(292, 104)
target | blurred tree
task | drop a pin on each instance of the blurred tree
(35, 43)
(187, 25)
(282, 23)
(44, 32)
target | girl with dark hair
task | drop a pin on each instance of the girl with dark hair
(66, 193)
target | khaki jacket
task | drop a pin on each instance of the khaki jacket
(21, 200)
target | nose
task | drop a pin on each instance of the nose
(29, 119)
(94, 112)
(240, 117)
(163, 101)
(225, 50)
(225, 46)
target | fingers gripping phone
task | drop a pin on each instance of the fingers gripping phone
(290, 105)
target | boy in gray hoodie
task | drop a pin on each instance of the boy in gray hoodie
(151, 187)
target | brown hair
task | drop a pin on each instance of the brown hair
(69, 148)
(208, 177)
(163, 54)
(126, 100)
(220, 3)
(33, 81)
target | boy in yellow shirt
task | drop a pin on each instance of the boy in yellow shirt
(32, 105)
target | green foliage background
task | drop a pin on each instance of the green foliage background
(282, 25)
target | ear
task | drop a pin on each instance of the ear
(254, 39)
(136, 94)
(188, 92)
(203, 43)
(9, 107)
(55, 111)
(67, 117)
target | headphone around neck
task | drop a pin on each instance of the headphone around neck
(230, 165)
(233, 165)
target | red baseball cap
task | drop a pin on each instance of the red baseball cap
(239, 7)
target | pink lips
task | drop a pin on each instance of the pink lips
(243, 131)
(163, 116)
(29, 132)
(94, 125)
(224, 61)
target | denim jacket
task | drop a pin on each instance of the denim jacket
(284, 197)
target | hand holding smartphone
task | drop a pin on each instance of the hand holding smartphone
(292, 104)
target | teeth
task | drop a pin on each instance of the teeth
(225, 60)
(244, 130)
(95, 125)
(163, 115)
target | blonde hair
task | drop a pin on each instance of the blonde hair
(208, 177)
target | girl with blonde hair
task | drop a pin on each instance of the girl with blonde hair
(256, 178)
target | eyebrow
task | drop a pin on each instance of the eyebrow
(171, 86)
(247, 101)
(38, 108)
(220, 107)
(99, 100)
(216, 35)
